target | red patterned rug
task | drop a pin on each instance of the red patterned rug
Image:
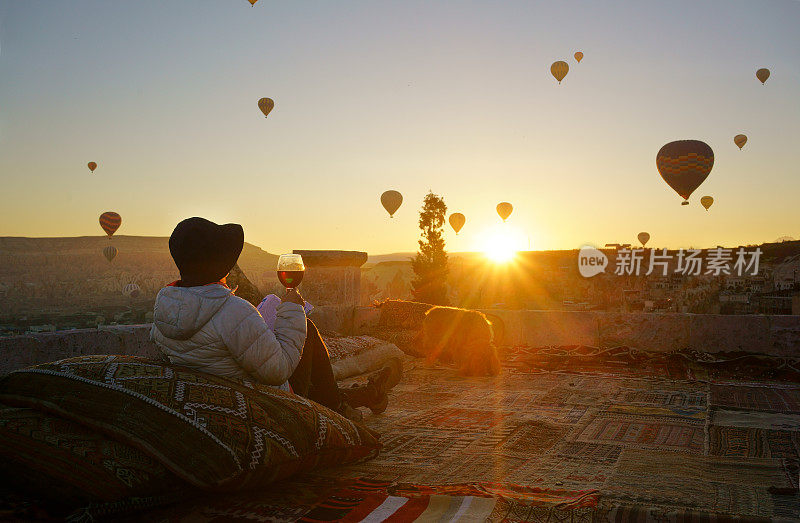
(360, 499)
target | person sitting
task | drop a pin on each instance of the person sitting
(198, 322)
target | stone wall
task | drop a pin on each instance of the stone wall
(30, 349)
(332, 277)
(775, 335)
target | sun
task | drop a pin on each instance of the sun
(501, 243)
(499, 250)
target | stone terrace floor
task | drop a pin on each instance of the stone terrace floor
(606, 444)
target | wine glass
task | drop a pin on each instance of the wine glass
(290, 270)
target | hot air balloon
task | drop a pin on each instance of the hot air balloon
(579, 56)
(92, 166)
(391, 201)
(110, 252)
(266, 105)
(457, 221)
(110, 222)
(131, 290)
(644, 237)
(684, 165)
(504, 210)
(252, 2)
(706, 201)
(559, 70)
(762, 74)
(740, 140)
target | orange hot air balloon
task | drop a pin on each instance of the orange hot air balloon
(762, 75)
(706, 201)
(504, 210)
(110, 252)
(252, 2)
(110, 222)
(457, 221)
(579, 56)
(644, 237)
(92, 166)
(684, 165)
(266, 105)
(559, 70)
(740, 140)
(391, 201)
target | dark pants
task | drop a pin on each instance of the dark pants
(313, 377)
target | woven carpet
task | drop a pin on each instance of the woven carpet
(622, 443)
(753, 442)
(375, 500)
(717, 484)
(538, 446)
(759, 419)
(772, 398)
(645, 431)
(684, 364)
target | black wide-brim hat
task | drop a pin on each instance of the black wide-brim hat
(204, 251)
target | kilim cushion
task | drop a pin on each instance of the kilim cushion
(354, 355)
(212, 432)
(66, 465)
(400, 314)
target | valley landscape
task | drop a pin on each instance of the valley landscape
(66, 282)
(58, 283)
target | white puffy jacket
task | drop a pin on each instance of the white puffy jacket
(211, 330)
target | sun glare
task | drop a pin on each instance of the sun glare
(501, 243)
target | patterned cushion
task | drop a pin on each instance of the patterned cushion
(401, 314)
(355, 355)
(212, 432)
(67, 465)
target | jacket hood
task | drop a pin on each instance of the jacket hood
(180, 312)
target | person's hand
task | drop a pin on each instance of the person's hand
(292, 296)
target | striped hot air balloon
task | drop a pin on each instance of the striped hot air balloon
(131, 290)
(92, 166)
(740, 140)
(684, 165)
(559, 70)
(266, 105)
(110, 222)
(579, 56)
(110, 253)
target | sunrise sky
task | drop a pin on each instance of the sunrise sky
(454, 97)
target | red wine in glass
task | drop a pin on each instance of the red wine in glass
(290, 279)
(290, 270)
